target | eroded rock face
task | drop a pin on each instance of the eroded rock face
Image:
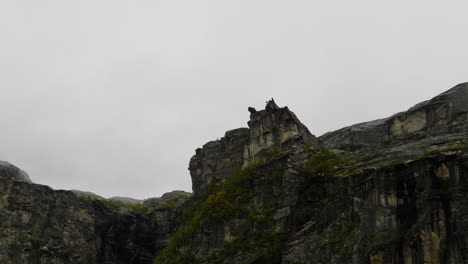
(410, 213)
(218, 159)
(11, 172)
(41, 226)
(401, 200)
(274, 128)
(401, 197)
(445, 114)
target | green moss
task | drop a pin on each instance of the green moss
(459, 144)
(222, 202)
(139, 208)
(325, 163)
(427, 153)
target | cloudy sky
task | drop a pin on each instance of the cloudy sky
(114, 96)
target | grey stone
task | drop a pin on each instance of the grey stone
(444, 114)
(11, 172)
(402, 198)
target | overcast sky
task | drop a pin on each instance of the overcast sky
(114, 96)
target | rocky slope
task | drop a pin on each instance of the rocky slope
(389, 191)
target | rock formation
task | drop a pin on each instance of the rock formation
(397, 193)
(443, 115)
(274, 128)
(218, 159)
(10, 172)
(40, 225)
(391, 191)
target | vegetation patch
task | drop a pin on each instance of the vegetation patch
(139, 208)
(326, 163)
(222, 202)
(267, 247)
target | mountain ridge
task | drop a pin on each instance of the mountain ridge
(389, 191)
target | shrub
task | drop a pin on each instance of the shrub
(326, 163)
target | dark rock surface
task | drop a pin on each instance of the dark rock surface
(275, 128)
(407, 213)
(269, 129)
(396, 193)
(218, 159)
(41, 226)
(401, 198)
(11, 172)
(88, 195)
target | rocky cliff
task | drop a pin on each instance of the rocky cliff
(389, 191)
(271, 129)
(41, 225)
(443, 115)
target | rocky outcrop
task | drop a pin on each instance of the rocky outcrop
(274, 128)
(445, 114)
(408, 213)
(218, 159)
(87, 195)
(11, 172)
(393, 191)
(396, 194)
(165, 214)
(41, 226)
(127, 200)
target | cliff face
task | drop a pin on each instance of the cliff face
(392, 191)
(397, 192)
(40, 225)
(441, 116)
(274, 128)
(406, 213)
(218, 159)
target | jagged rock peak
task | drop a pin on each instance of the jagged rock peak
(275, 128)
(272, 128)
(271, 106)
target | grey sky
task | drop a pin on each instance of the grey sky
(114, 96)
